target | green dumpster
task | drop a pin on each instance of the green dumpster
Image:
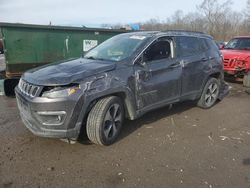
(27, 46)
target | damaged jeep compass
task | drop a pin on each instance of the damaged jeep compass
(124, 77)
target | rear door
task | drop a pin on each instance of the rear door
(192, 51)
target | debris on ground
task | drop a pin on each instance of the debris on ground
(248, 91)
(224, 137)
(210, 136)
(51, 168)
(173, 122)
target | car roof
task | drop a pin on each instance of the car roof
(169, 33)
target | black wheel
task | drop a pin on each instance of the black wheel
(105, 121)
(246, 80)
(210, 93)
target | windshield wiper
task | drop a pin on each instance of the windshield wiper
(94, 58)
(90, 57)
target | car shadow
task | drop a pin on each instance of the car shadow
(83, 138)
(246, 161)
(232, 79)
(131, 126)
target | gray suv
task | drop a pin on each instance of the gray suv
(124, 77)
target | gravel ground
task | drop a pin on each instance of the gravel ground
(182, 147)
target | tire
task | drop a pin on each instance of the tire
(209, 94)
(246, 80)
(105, 121)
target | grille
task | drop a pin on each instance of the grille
(229, 62)
(28, 89)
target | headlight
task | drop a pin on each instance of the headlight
(60, 92)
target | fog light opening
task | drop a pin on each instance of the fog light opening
(51, 118)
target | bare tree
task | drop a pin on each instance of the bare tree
(212, 17)
(247, 10)
(214, 14)
(153, 24)
(194, 22)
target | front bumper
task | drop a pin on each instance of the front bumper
(235, 71)
(230, 71)
(68, 125)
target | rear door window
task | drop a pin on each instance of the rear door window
(187, 46)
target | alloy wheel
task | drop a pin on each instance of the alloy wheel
(112, 121)
(211, 94)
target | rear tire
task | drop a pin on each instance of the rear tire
(209, 94)
(105, 121)
(246, 80)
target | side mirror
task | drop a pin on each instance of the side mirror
(140, 61)
(143, 64)
(222, 47)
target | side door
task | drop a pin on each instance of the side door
(192, 51)
(157, 75)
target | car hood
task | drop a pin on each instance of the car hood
(236, 54)
(67, 72)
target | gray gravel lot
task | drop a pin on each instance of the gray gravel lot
(182, 147)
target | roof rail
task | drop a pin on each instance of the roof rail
(186, 31)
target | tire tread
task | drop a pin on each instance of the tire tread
(94, 120)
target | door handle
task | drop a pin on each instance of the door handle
(204, 59)
(174, 65)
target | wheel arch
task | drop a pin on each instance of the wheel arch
(125, 96)
(126, 100)
(216, 74)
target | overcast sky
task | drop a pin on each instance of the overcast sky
(94, 12)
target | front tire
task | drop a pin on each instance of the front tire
(105, 121)
(210, 94)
